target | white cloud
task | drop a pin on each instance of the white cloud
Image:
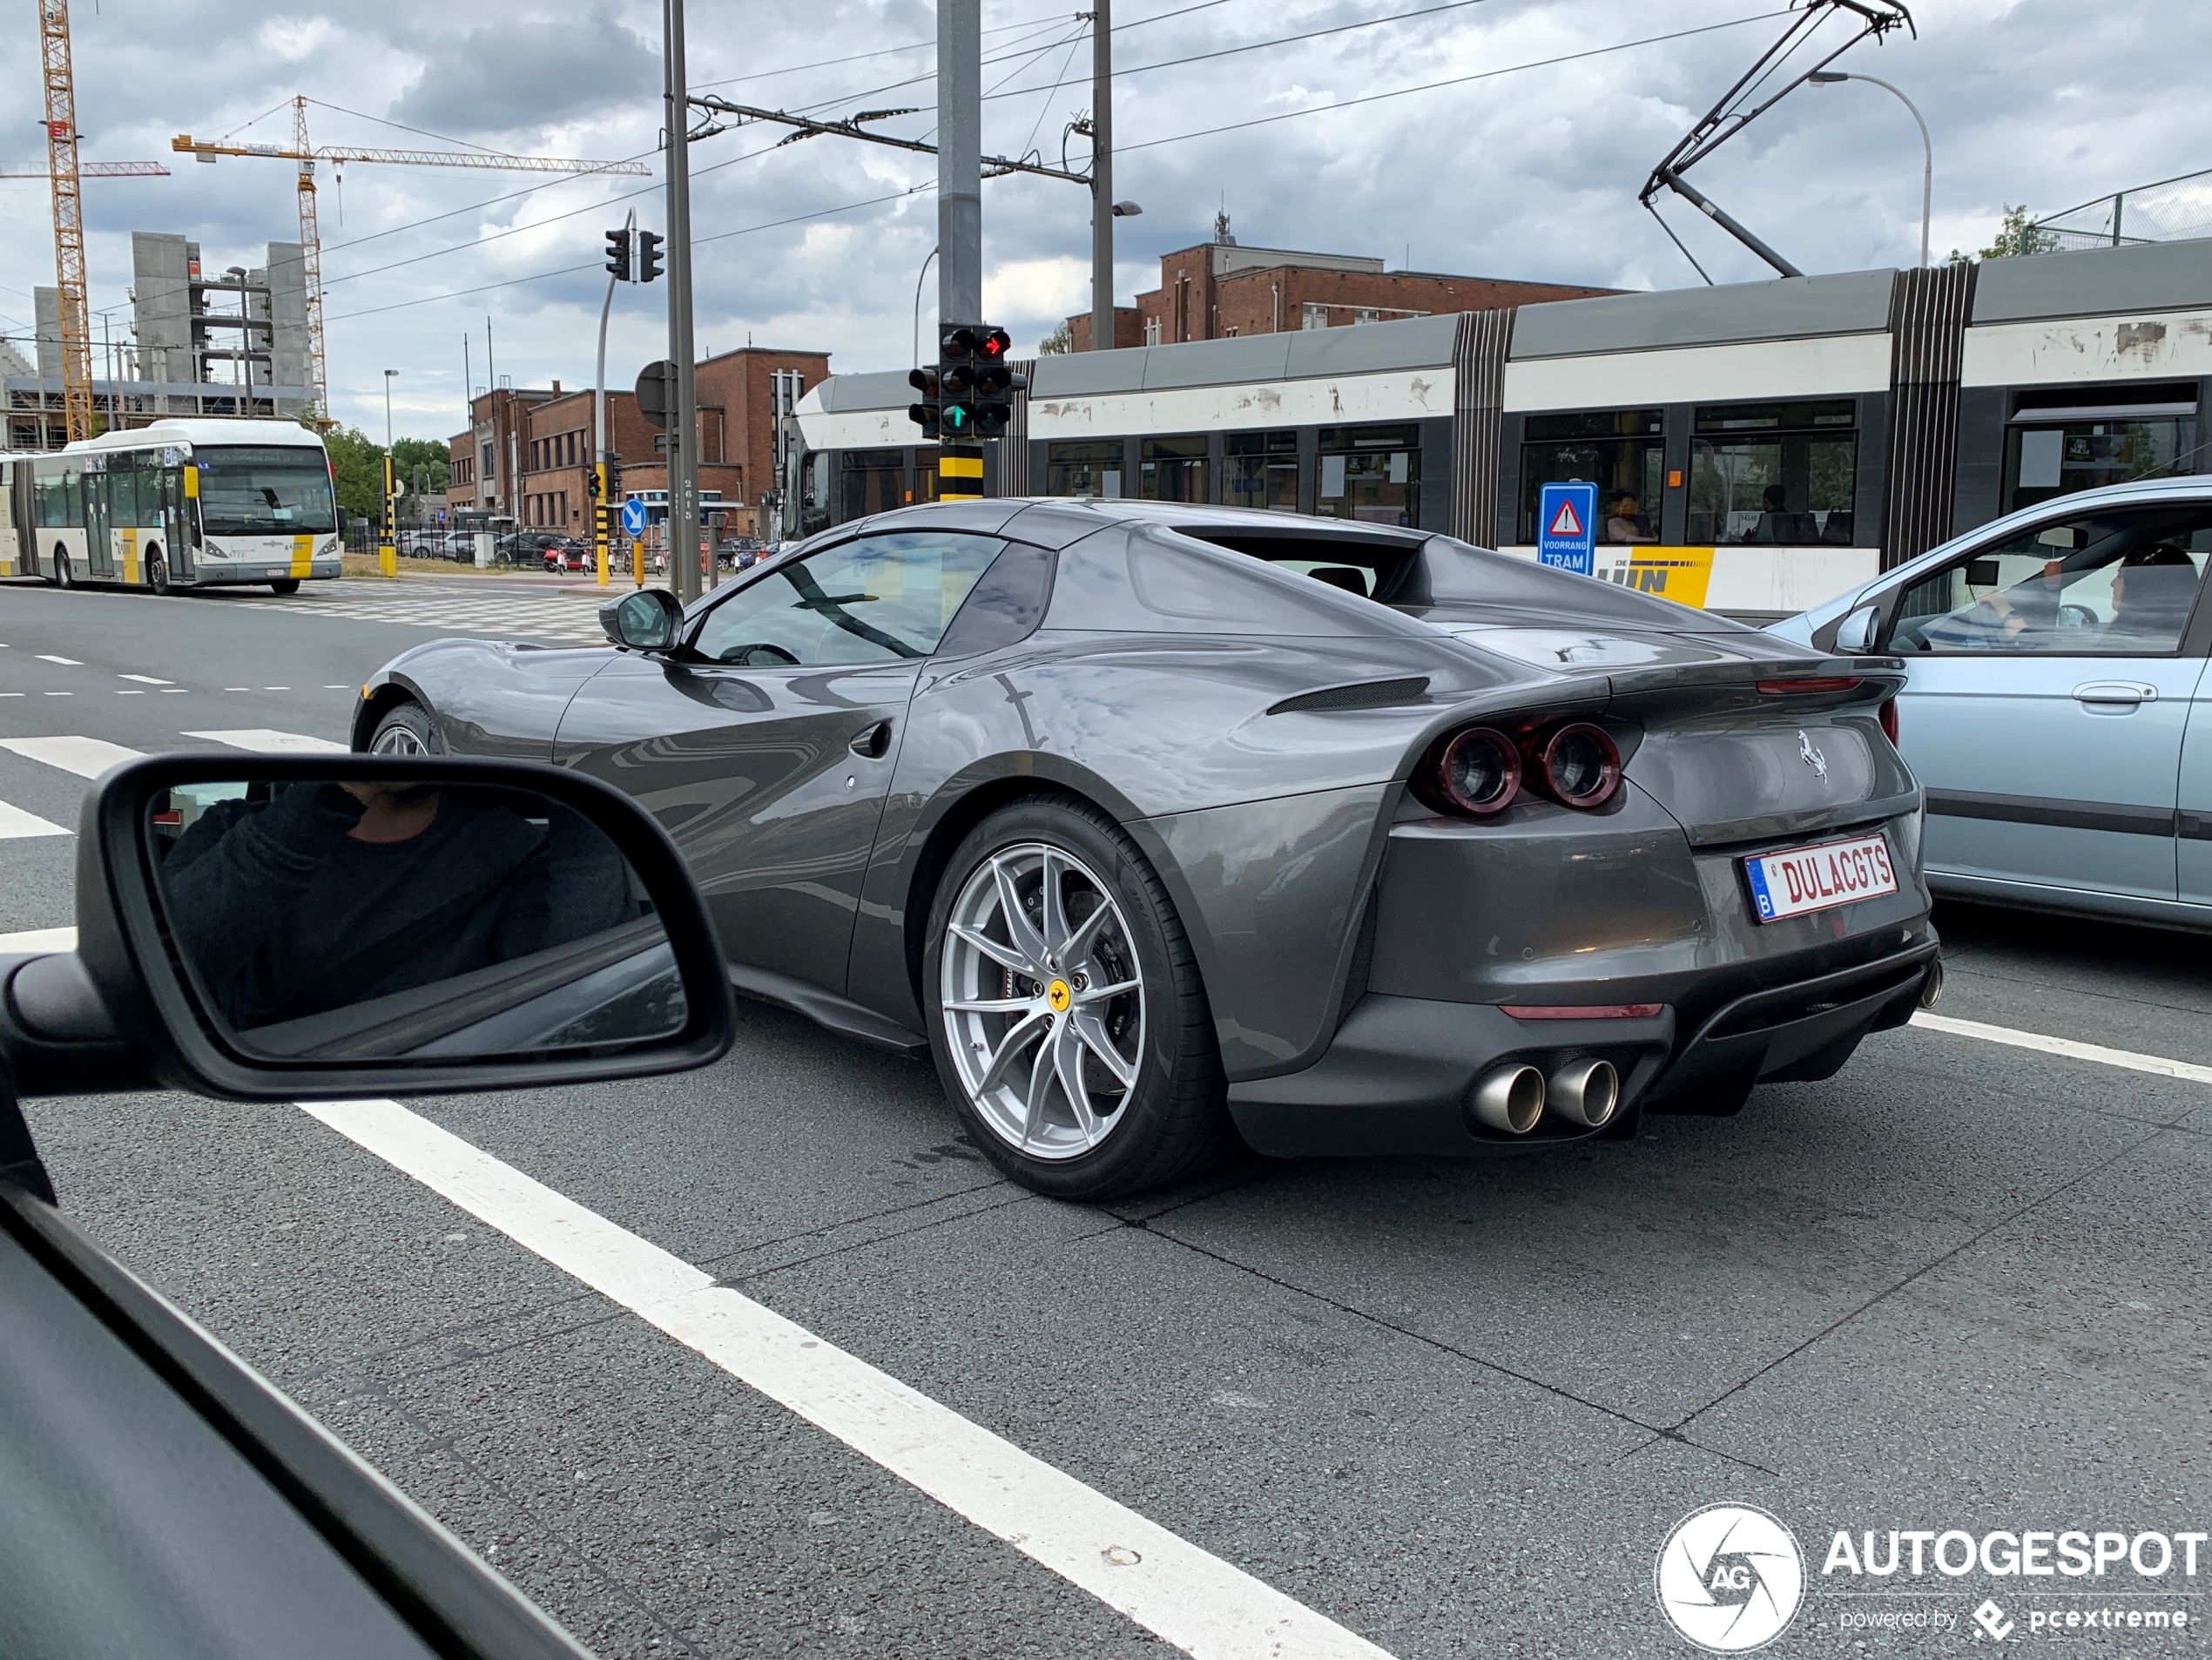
(1529, 173)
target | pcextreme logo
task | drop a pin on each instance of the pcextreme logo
(1729, 1578)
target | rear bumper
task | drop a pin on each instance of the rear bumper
(1400, 1073)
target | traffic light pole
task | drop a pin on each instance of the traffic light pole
(960, 209)
(684, 423)
(1101, 177)
(388, 550)
(599, 436)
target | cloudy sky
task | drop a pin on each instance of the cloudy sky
(1521, 168)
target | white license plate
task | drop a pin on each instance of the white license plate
(1813, 878)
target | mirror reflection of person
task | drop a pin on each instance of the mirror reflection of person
(1625, 522)
(326, 895)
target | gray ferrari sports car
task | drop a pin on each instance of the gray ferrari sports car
(1156, 824)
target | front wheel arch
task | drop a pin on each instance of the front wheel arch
(372, 709)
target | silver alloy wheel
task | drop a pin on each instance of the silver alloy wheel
(1043, 1000)
(398, 738)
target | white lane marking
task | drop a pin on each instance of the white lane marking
(40, 939)
(129, 691)
(2158, 1065)
(276, 688)
(86, 757)
(176, 691)
(237, 688)
(1191, 1598)
(146, 679)
(48, 656)
(12, 694)
(15, 823)
(60, 694)
(263, 741)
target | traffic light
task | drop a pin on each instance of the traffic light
(995, 384)
(618, 254)
(925, 413)
(956, 358)
(648, 255)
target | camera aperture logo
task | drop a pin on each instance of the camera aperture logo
(1729, 1578)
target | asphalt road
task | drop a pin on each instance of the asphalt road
(1455, 1408)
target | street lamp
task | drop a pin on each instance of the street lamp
(1830, 76)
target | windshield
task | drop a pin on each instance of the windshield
(274, 490)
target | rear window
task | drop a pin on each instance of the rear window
(1370, 567)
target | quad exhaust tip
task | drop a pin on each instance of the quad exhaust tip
(1931, 987)
(1585, 1093)
(1510, 1099)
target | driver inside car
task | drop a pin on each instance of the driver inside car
(326, 895)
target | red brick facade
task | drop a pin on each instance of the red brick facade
(1218, 289)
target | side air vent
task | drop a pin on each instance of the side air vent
(1371, 694)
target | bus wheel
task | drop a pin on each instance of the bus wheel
(62, 576)
(289, 585)
(158, 572)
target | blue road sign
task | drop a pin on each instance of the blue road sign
(1566, 525)
(633, 517)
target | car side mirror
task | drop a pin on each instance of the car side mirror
(331, 927)
(647, 620)
(1857, 632)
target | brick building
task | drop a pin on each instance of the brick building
(540, 442)
(1219, 288)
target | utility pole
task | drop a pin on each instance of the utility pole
(683, 418)
(1101, 177)
(960, 208)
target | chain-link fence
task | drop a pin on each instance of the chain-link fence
(2172, 210)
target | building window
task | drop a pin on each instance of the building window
(1779, 473)
(1365, 316)
(1092, 471)
(1172, 469)
(875, 482)
(1313, 316)
(2062, 440)
(1372, 474)
(1619, 450)
(1151, 331)
(1259, 469)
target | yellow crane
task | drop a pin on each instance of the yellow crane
(307, 154)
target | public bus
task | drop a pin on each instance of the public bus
(177, 503)
(1758, 448)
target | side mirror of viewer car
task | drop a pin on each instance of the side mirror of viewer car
(327, 927)
(1856, 633)
(648, 620)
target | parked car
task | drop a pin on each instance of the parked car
(525, 547)
(205, 1513)
(2055, 707)
(1151, 820)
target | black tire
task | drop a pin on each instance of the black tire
(285, 586)
(406, 729)
(1174, 1120)
(63, 576)
(158, 573)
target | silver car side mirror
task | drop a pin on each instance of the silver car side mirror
(1857, 632)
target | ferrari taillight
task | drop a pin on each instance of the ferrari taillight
(1481, 770)
(1888, 718)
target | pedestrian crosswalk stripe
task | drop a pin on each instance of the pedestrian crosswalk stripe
(86, 757)
(263, 741)
(15, 823)
(542, 617)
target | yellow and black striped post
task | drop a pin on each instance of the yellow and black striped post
(388, 551)
(960, 473)
(600, 511)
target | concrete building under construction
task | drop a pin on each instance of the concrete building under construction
(233, 343)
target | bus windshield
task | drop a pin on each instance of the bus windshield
(272, 489)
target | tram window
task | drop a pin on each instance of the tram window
(1620, 451)
(1092, 471)
(1372, 474)
(1260, 470)
(2061, 441)
(1781, 473)
(1173, 469)
(875, 482)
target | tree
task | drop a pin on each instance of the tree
(357, 467)
(2018, 234)
(424, 462)
(1061, 340)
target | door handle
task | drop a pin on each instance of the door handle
(2114, 691)
(875, 743)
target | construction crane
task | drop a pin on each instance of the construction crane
(86, 169)
(72, 310)
(307, 154)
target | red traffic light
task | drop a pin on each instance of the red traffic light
(995, 343)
